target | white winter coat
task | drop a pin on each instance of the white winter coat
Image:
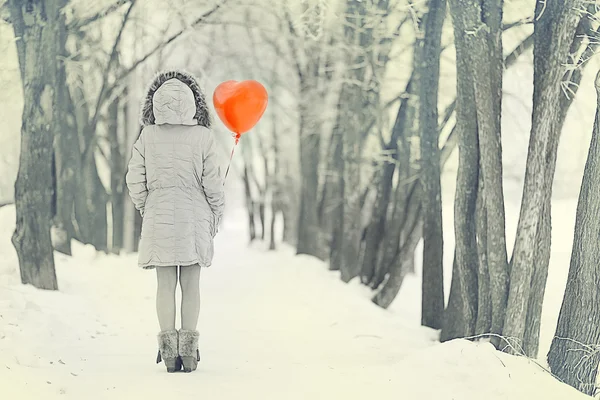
(174, 178)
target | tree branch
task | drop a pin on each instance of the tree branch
(7, 203)
(78, 24)
(158, 47)
(520, 49)
(101, 96)
(293, 33)
(514, 24)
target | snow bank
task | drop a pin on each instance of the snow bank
(464, 370)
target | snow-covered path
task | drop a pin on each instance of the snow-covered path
(273, 326)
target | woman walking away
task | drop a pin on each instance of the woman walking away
(175, 182)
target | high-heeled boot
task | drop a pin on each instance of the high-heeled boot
(188, 349)
(168, 350)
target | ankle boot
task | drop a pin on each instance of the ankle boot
(188, 349)
(167, 350)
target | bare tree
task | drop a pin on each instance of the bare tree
(66, 149)
(346, 240)
(250, 200)
(117, 172)
(573, 355)
(433, 270)
(404, 226)
(373, 272)
(462, 312)
(358, 102)
(37, 27)
(555, 26)
(481, 21)
(307, 55)
(585, 36)
(276, 197)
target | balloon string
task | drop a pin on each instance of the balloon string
(237, 139)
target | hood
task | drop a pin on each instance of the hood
(173, 103)
(174, 97)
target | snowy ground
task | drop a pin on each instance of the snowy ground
(273, 326)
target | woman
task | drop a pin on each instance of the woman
(175, 182)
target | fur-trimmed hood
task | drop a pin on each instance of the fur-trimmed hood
(174, 97)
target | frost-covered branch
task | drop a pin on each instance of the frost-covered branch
(105, 76)
(160, 46)
(80, 23)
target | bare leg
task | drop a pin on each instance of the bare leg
(189, 279)
(165, 297)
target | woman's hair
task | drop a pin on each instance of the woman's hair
(202, 115)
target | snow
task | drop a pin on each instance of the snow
(273, 326)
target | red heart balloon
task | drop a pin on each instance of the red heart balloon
(240, 105)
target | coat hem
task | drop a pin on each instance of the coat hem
(174, 264)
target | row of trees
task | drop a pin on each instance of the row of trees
(359, 186)
(492, 295)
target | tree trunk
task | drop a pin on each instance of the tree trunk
(272, 228)
(290, 208)
(328, 179)
(376, 229)
(309, 237)
(90, 205)
(38, 26)
(407, 218)
(406, 197)
(346, 199)
(433, 244)
(554, 30)
(275, 186)
(572, 79)
(360, 90)
(132, 129)
(538, 281)
(336, 206)
(573, 356)
(94, 215)
(461, 315)
(348, 242)
(481, 20)
(249, 204)
(261, 217)
(332, 198)
(414, 232)
(66, 150)
(116, 178)
(264, 195)
(484, 292)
